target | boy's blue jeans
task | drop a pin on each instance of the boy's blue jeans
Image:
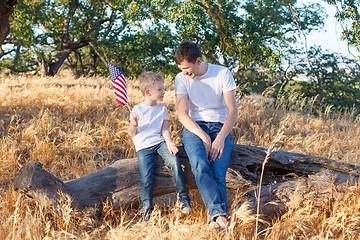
(209, 176)
(147, 158)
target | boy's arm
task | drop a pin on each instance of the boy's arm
(132, 129)
(167, 137)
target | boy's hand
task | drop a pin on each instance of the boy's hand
(134, 122)
(172, 148)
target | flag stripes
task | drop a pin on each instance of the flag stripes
(119, 84)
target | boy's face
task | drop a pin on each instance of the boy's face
(157, 91)
(190, 69)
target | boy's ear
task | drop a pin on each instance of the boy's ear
(147, 92)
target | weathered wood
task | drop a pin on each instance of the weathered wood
(248, 160)
(32, 178)
(315, 190)
(285, 173)
(119, 182)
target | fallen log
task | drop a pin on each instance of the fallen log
(119, 182)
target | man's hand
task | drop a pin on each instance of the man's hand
(216, 149)
(207, 144)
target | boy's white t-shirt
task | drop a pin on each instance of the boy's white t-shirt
(150, 121)
(206, 93)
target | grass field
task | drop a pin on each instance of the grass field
(75, 127)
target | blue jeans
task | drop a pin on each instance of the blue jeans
(209, 176)
(147, 158)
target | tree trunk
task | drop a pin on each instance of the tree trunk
(96, 49)
(55, 65)
(285, 172)
(68, 47)
(6, 9)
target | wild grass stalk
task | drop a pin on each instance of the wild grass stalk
(273, 147)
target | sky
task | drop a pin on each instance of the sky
(330, 36)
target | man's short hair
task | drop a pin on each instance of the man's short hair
(187, 51)
(148, 79)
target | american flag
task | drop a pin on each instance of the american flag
(119, 83)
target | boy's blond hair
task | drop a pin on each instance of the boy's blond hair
(148, 79)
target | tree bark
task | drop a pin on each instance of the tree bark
(6, 9)
(285, 174)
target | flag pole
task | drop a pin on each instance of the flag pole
(106, 57)
(127, 104)
(128, 107)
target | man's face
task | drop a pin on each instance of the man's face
(190, 69)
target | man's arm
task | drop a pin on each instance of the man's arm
(217, 146)
(182, 104)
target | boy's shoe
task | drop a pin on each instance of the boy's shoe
(145, 217)
(184, 203)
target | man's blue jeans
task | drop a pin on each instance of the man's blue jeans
(147, 158)
(209, 176)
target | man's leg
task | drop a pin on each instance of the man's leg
(203, 173)
(219, 168)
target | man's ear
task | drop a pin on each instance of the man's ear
(198, 60)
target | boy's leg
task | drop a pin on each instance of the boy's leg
(203, 173)
(174, 164)
(146, 160)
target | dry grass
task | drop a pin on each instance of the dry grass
(75, 127)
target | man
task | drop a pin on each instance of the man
(206, 106)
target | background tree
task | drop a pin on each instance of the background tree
(256, 39)
(62, 30)
(333, 80)
(6, 9)
(248, 37)
(150, 49)
(348, 15)
(23, 39)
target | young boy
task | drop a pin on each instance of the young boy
(151, 136)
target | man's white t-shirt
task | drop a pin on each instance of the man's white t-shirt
(150, 121)
(206, 93)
